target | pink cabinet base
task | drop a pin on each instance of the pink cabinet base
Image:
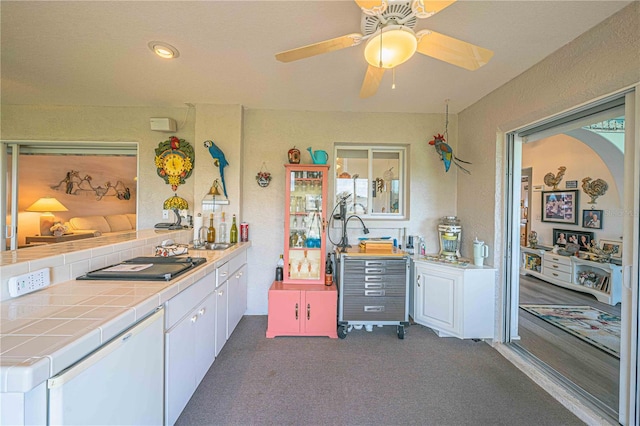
(302, 310)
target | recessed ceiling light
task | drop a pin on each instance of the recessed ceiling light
(164, 50)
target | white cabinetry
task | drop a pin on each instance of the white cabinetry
(189, 344)
(455, 301)
(237, 298)
(222, 308)
(603, 280)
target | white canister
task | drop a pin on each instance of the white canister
(480, 252)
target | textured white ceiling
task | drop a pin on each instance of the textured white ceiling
(95, 53)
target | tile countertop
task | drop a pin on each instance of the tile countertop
(44, 332)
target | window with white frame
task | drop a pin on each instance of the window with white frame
(373, 180)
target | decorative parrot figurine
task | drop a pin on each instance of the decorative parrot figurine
(219, 160)
(446, 153)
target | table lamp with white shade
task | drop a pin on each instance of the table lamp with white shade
(46, 205)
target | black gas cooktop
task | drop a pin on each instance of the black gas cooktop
(146, 269)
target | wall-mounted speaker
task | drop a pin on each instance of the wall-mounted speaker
(162, 124)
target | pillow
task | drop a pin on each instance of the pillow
(132, 219)
(118, 222)
(99, 223)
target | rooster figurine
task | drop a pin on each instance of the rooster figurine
(446, 153)
(554, 180)
(219, 160)
(594, 189)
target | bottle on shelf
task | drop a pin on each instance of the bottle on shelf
(233, 234)
(211, 231)
(222, 229)
(280, 268)
(328, 271)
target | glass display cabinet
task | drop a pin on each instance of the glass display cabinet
(305, 211)
(302, 304)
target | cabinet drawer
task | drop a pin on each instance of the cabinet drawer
(379, 290)
(558, 267)
(558, 275)
(362, 308)
(360, 267)
(373, 282)
(186, 301)
(556, 258)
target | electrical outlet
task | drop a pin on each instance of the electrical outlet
(165, 214)
(26, 283)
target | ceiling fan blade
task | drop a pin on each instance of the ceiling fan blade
(372, 7)
(371, 82)
(452, 50)
(426, 8)
(319, 48)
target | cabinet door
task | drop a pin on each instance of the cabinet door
(436, 299)
(320, 313)
(305, 213)
(221, 316)
(180, 380)
(237, 298)
(285, 311)
(205, 342)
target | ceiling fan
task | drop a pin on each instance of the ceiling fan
(388, 26)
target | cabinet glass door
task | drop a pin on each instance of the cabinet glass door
(306, 194)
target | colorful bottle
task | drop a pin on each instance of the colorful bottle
(233, 234)
(211, 231)
(222, 230)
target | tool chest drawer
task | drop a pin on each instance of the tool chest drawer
(365, 308)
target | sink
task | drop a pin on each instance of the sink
(218, 246)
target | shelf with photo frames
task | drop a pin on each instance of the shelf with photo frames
(601, 279)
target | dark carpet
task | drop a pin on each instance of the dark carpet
(369, 378)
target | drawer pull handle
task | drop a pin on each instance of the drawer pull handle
(554, 274)
(374, 292)
(373, 278)
(373, 285)
(373, 263)
(419, 276)
(308, 311)
(296, 311)
(555, 266)
(194, 318)
(373, 270)
(201, 312)
(374, 308)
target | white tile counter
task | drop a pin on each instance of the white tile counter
(46, 331)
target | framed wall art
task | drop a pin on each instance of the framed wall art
(592, 219)
(560, 206)
(562, 237)
(614, 246)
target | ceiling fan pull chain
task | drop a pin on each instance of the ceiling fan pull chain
(393, 76)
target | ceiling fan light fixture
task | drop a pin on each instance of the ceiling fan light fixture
(164, 50)
(390, 47)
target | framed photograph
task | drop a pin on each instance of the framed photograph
(562, 237)
(615, 246)
(592, 219)
(560, 206)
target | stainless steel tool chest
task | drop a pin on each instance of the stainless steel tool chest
(373, 291)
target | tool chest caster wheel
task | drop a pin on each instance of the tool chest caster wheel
(401, 332)
(342, 331)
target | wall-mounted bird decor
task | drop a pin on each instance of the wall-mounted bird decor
(554, 180)
(446, 153)
(443, 149)
(219, 160)
(594, 189)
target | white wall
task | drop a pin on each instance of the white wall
(269, 134)
(601, 61)
(546, 156)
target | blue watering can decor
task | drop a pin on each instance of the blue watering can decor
(319, 156)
